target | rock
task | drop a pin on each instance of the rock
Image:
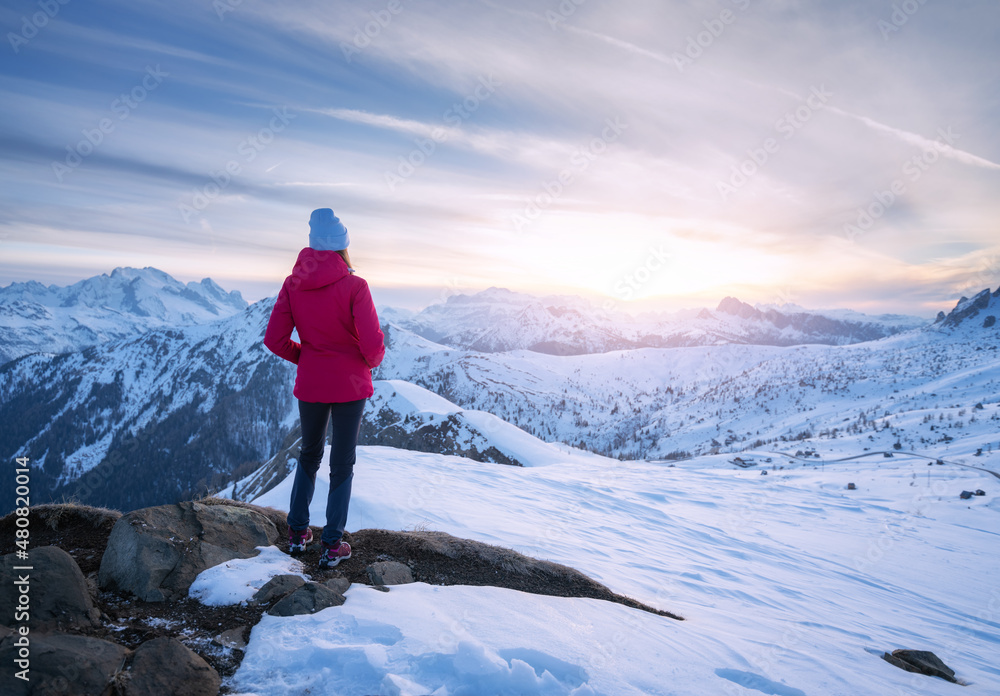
(278, 586)
(965, 495)
(64, 664)
(921, 662)
(389, 573)
(233, 638)
(308, 599)
(59, 593)
(851, 487)
(338, 585)
(155, 553)
(167, 667)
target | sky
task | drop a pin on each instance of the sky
(656, 153)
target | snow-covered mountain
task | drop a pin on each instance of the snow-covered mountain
(184, 410)
(676, 402)
(143, 420)
(129, 302)
(498, 320)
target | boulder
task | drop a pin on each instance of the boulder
(155, 553)
(233, 638)
(921, 662)
(58, 591)
(167, 667)
(278, 586)
(389, 573)
(64, 664)
(338, 585)
(308, 599)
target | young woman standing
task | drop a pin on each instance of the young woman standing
(341, 343)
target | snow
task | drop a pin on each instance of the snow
(420, 639)
(789, 583)
(407, 397)
(236, 581)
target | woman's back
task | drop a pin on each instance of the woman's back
(338, 327)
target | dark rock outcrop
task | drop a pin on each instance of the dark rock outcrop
(967, 309)
(921, 662)
(156, 553)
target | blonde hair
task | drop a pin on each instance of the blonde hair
(347, 258)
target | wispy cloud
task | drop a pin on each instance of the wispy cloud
(925, 143)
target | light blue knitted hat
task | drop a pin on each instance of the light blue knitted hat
(327, 232)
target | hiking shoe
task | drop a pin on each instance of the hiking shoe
(332, 555)
(297, 541)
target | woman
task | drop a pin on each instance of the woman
(340, 344)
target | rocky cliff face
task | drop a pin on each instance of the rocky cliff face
(984, 304)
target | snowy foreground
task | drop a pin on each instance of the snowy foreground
(790, 583)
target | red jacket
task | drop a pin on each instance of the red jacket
(334, 314)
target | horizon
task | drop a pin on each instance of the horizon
(653, 155)
(634, 308)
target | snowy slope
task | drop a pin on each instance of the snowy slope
(790, 583)
(415, 410)
(126, 303)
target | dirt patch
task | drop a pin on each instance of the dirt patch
(79, 530)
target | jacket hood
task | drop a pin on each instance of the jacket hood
(314, 269)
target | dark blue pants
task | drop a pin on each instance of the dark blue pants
(346, 420)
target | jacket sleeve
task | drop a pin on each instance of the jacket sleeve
(278, 337)
(372, 342)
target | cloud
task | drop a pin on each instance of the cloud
(926, 144)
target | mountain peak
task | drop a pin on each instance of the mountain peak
(733, 306)
(966, 309)
(107, 306)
